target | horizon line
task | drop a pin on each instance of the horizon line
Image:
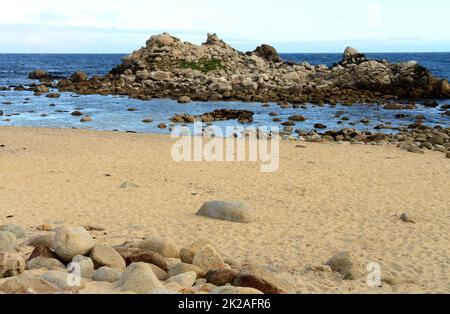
(126, 53)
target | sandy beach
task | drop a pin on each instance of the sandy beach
(324, 199)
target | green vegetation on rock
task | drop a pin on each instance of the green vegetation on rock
(203, 65)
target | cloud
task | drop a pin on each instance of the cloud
(240, 21)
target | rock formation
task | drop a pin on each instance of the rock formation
(168, 67)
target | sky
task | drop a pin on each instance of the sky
(117, 26)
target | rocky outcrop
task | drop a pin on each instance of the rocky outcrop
(168, 67)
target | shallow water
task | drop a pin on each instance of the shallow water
(110, 112)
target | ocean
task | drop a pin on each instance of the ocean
(110, 112)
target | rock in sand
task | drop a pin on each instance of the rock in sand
(208, 259)
(139, 278)
(72, 241)
(103, 255)
(229, 211)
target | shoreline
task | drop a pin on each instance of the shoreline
(324, 199)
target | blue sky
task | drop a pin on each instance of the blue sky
(117, 26)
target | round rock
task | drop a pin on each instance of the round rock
(83, 265)
(72, 241)
(103, 255)
(208, 259)
(106, 274)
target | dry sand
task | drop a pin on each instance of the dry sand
(324, 199)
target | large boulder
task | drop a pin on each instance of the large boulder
(18, 231)
(160, 274)
(373, 75)
(161, 40)
(106, 274)
(148, 257)
(352, 56)
(229, 211)
(43, 239)
(214, 40)
(103, 255)
(208, 259)
(165, 247)
(72, 241)
(84, 265)
(45, 263)
(268, 53)
(139, 278)
(161, 76)
(187, 253)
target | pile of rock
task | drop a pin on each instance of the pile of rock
(417, 138)
(68, 260)
(168, 67)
